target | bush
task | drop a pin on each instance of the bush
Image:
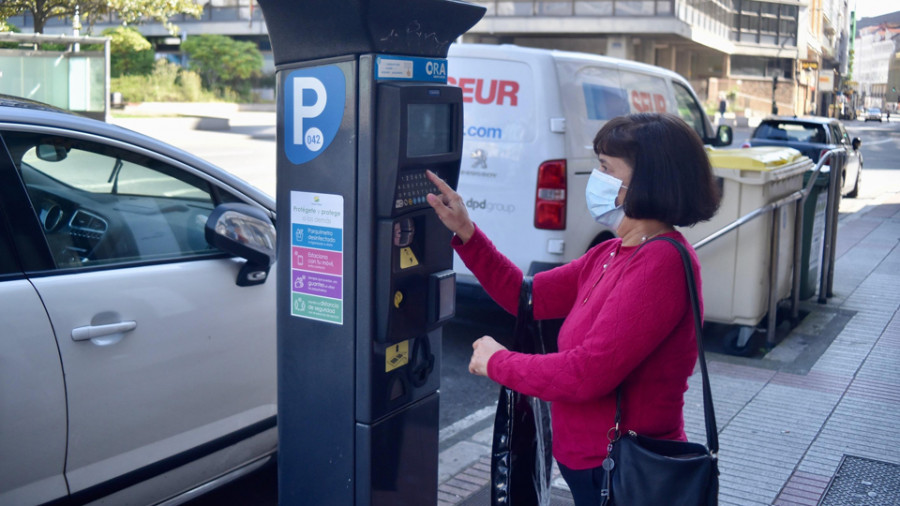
(225, 65)
(4, 27)
(166, 83)
(130, 53)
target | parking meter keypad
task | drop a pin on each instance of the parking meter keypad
(412, 189)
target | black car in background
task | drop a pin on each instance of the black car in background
(813, 136)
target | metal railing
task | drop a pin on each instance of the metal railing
(836, 159)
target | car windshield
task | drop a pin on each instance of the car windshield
(791, 132)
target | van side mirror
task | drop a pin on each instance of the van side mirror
(856, 143)
(724, 136)
(245, 231)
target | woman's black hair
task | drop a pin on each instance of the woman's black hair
(672, 180)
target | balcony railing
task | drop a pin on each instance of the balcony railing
(630, 8)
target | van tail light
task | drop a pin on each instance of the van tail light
(746, 144)
(550, 199)
(827, 162)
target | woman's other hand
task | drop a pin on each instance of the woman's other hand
(450, 208)
(484, 348)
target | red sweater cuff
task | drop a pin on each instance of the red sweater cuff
(477, 241)
(495, 359)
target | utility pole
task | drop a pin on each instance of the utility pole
(76, 28)
(774, 87)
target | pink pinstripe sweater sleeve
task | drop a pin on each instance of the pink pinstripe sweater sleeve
(502, 279)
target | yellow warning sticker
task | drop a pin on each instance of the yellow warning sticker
(396, 356)
(408, 258)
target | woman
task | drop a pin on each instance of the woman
(628, 320)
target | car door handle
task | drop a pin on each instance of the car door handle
(93, 331)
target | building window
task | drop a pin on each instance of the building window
(594, 8)
(634, 7)
(515, 8)
(553, 8)
(760, 66)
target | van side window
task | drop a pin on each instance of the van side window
(689, 109)
(646, 93)
(604, 102)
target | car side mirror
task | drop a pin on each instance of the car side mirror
(51, 152)
(245, 231)
(856, 143)
(724, 136)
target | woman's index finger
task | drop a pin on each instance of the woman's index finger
(442, 186)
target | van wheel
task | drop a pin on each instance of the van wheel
(605, 236)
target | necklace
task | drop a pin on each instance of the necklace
(645, 238)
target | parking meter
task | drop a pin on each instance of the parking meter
(364, 283)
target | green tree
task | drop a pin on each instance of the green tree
(129, 11)
(130, 52)
(223, 63)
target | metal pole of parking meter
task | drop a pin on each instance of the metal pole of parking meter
(364, 274)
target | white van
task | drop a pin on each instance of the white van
(530, 116)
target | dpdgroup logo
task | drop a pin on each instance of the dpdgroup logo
(314, 108)
(490, 207)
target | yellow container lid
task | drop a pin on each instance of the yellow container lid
(760, 158)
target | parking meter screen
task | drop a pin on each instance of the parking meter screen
(429, 129)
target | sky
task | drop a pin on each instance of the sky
(872, 8)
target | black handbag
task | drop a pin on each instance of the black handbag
(642, 471)
(521, 456)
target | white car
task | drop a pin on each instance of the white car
(873, 114)
(137, 359)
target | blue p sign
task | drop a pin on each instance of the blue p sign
(314, 108)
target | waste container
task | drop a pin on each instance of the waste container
(813, 234)
(735, 267)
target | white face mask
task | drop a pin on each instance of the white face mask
(600, 195)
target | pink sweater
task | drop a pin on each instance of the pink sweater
(626, 323)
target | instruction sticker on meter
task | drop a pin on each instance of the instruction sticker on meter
(317, 253)
(396, 356)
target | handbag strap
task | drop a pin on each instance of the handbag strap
(712, 434)
(524, 339)
(526, 307)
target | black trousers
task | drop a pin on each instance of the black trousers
(584, 484)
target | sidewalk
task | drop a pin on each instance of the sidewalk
(827, 397)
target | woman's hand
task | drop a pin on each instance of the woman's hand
(484, 348)
(450, 208)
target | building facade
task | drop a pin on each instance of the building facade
(876, 71)
(748, 52)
